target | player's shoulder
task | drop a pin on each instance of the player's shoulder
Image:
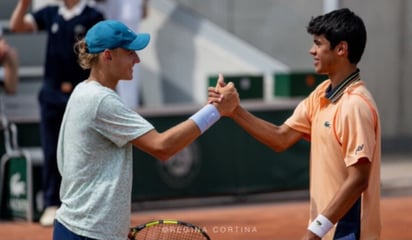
(358, 92)
(93, 12)
(49, 9)
(92, 94)
(91, 89)
(358, 98)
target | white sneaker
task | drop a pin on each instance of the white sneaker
(47, 219)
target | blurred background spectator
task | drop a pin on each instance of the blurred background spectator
(65, 24)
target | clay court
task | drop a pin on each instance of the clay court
(281, 220)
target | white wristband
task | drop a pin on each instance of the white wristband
(320, 226)
(206, 117)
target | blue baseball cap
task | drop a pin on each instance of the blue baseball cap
(111, 34)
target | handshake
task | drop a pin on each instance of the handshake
(224, 97)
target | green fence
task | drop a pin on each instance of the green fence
(296, 83)
(223, 161)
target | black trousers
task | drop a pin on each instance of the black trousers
(52, 106)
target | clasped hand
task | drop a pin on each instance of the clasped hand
(224, 96)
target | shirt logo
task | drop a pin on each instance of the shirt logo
(327, 124)
(55, 28)
(359, 149)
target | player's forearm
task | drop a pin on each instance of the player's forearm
(337, 208)
(350, 191)
(175, 139)
(181, 135)
(168, 143)
(263, 131)
(345, 198)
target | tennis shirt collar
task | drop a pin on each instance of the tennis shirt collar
(334, 94)
(68, 14)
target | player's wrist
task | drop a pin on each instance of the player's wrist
(206, 117)
(320, 226)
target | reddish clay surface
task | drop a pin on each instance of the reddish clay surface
(277, 221)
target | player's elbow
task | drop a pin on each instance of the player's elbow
(363, 173)
(163, 151)
(359, 185)
(161, 154)
(164, 157)
(15, 27)
(283, 138)
(363, 184)
(279, 148)
(156, 145)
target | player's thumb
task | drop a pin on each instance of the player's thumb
(220, 81)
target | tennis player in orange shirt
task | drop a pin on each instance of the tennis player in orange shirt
(341, 120)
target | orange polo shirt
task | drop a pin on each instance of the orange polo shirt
(343, 127)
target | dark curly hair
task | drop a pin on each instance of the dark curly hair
(341, 25)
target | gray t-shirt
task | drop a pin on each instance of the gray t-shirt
(94, 157)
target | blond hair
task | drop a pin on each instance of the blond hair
(86, 60)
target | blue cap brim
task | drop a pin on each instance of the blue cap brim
(139, 43)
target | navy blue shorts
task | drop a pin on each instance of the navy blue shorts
(60, 232)
(349, 227)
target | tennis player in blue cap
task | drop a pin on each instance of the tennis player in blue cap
(98, 132)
